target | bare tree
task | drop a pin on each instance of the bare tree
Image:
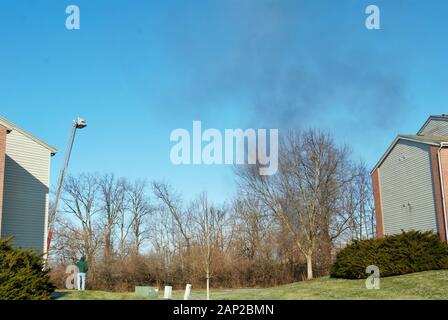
(124, 225)
(173, 203)
(160, 229)
(252, 226)
(181, 218)
(210, 222)
(140, 208)
(80, 200)
(359, 205)
(298, 195)
(113, 195)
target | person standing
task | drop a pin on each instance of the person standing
(82, 271)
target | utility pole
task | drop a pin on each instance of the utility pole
(79, 123)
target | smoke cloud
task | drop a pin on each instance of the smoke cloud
(285, 64)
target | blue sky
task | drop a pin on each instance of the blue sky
(138, 69)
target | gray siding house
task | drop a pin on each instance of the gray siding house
(410, 181)
(24, 186)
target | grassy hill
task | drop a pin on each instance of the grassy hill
(423, 285)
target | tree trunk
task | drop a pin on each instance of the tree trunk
(208, 285)
(309, 266)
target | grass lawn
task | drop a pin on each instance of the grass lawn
(423, 285)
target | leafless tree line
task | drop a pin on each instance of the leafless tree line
(276, 229)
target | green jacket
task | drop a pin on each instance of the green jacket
(82, 265)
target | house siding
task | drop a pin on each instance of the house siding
(3, 133)
(436, 127)
(26, 185)
(407, 189)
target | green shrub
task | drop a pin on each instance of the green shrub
(21, 275)
(407, 252)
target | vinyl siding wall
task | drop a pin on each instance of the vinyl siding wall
(407, 190)
(436, 127)
(26, 187)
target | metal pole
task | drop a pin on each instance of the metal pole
(79, 123)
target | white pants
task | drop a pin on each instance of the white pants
(81, 281)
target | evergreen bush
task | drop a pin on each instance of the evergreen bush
(408, 252)
(21, 274)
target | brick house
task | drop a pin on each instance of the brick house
(24, 186)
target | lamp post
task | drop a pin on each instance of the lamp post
(79, 123)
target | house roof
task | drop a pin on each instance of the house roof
(443, 117)
(10, 126)
(424, 139)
